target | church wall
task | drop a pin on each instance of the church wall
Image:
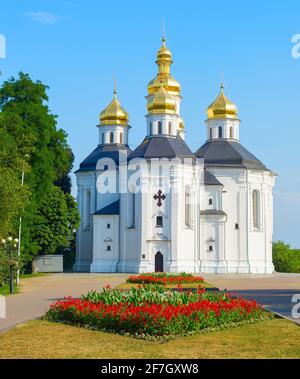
(234, 204)
(86, 199)
(105, 243)
(260, 238)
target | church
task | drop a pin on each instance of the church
(168, 208)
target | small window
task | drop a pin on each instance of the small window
(150, 127)
(108, 226)
(143, 256)
(102, 138)
(111, 137)
(159, 221)
(220, 132)
(210, 201)
(231, 132)
(170, 127)
(237, 227)
(159, 128)
(210, 133)
(210, 248)
(121, 137)
(108, 248)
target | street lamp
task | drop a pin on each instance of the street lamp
(9, 246)
(20, 222)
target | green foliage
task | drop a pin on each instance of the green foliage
(31, 142)
(285, 258)
(8, 257)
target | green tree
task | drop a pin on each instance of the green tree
(30, 129)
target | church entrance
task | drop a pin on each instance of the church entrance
(159, 262)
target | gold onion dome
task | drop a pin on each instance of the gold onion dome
(222, 107)
(164, 61)
(114, 113)
(162, 102)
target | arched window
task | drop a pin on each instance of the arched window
(131, 208)
(220, 131)
(121, 137)
(159, 128)
(170, 127)
(102, 138)
(159, 221)
(150, 128)
(210, 133)
(210, 201)
(210, 248)
(255, 209)
(231, 132)
(187, 199)
(111, 137)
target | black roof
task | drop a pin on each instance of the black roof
(222, 153)
(111, 209)
(210, 179)
(162, 147)
(103, 151)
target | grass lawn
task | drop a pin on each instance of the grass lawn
(184, 285)
(277, 338)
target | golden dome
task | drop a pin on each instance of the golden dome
(222, 107)
(114, 113)
(162, 102)
(164, 61)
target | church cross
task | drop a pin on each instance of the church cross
(159, 196)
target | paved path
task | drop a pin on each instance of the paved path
(39, 292)
(274, 291)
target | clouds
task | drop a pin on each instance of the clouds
(45, 18)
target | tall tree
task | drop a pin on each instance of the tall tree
(32, 128)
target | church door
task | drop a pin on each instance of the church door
(159, 262)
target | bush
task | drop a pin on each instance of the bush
(285, 258)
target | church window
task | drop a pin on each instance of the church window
(143, 256)
(108, 248)
(255, 209)
(170, 127)
(237, 227)
(210, 201)
(187, 206)
(210, 133)
(102, 138)
(150, 127)
(159, 128)
(121, 137)
(111, 137)
(108, 226)
(220, 131)
(231, 132)
(131, 209)
(159, 221)
(210, 248)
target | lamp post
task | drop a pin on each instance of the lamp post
(20, 223)
(9, 246)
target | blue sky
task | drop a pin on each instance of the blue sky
(77, 47)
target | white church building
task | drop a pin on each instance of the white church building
(214, 214)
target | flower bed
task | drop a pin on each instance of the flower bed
(165, 278)
(142, 312)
